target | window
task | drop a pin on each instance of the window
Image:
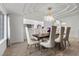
(1, 26)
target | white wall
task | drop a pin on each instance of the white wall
(3, 41)
(73, 22)
(16, 28)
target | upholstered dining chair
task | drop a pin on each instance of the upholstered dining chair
(66, 37)
(59, 40)
(50, 42)
(33, 31)
(30, 42)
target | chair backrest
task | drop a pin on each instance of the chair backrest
(62, 33)
(52, 35)
(27, 35)
(67, 33)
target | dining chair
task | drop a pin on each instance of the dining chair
(66, 37)
(33, 31)
(50, 44)
(30, 42)
(44, 32)
(59, 40)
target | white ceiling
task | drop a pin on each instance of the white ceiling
(38, 10)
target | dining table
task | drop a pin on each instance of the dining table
(40, 36)
(43, 35)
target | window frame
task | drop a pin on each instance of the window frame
(5, 28)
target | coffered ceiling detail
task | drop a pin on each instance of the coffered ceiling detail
(37, 11)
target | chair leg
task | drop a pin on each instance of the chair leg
(41, 50)
(35, 45)
(58, 46)
(54, 50)
(27, 46)
(62, 46)
(55, 45)
(65, 43)
(29, 50)
(68, 43)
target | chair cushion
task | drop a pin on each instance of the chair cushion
(57, 40)
(34, 39)
(46, 44)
